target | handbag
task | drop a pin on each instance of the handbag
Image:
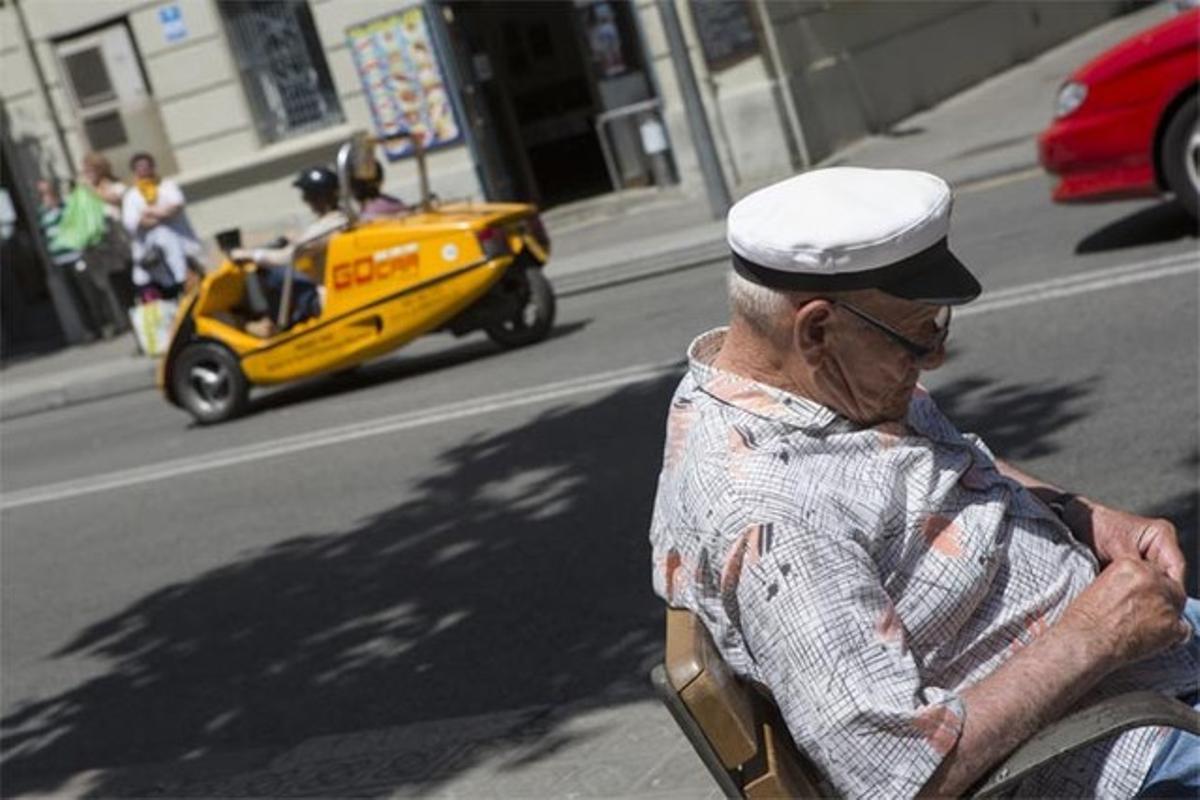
(84, 221)
(152, 323)
(154, 263)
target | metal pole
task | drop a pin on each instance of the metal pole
(706, 150)
(40, 76)
(783, 83)
(64, 305)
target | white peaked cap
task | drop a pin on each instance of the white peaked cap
(846, 228)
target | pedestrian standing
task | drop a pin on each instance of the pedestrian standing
(109, 258)
(68, 259)
(165, 247)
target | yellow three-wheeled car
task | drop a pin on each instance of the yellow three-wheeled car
(459, 267)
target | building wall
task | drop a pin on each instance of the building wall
(231, 178)
(745, 120)
(851, 67)
(857, 67)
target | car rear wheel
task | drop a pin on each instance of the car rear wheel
(533, 321)
(1181, 156)
(209, 383)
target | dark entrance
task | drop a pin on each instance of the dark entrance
(529, 85)
(28, 318)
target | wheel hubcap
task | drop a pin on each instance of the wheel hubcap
(210, 384)
(528, 315)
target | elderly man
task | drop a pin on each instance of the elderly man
(916, 606)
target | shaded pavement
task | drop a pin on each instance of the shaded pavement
(481, 638)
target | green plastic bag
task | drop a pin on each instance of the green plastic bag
(83, 222)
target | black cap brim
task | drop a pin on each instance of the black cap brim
(937, 277)
(934, 275)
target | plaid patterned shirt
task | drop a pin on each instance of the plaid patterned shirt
(866, 576)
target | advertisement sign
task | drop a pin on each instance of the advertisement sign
(404, 81)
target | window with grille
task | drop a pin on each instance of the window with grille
(282, 66)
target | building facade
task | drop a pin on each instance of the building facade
(552, 101)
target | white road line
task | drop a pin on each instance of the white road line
(1000, 180)
(1082, 284)
(346, 433)
(1051, 289)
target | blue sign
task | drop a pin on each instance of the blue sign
(171, 18)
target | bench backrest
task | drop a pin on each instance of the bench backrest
(739, 723)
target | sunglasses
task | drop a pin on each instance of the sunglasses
(918, 351)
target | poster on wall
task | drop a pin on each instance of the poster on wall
(403, 80)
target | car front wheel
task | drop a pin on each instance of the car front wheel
(1181, 156)
(208, 382)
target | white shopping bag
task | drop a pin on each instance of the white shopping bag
(152, 325)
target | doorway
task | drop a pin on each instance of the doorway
(111, 96)
(531, 94)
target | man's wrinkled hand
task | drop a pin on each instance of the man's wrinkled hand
(1132, 610)
(1118, 534)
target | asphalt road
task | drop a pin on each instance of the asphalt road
(458, 531)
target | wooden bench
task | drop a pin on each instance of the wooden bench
(739, 735)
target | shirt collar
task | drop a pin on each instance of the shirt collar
(759, 399)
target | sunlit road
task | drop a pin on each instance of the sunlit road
(460, 531)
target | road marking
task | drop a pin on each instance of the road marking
(1082, 283)
(1051, 289)
(984, 184)
(137, 476)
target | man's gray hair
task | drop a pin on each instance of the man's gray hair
(760, 306)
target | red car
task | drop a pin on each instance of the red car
(1125, 123)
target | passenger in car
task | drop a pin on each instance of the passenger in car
(374, 204)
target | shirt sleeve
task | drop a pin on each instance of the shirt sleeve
(324, 226)
(828, 643)
(169, 194)
(274, 256)
(131, 210)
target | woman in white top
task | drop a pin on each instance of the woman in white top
(153, 215)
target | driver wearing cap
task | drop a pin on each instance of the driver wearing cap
(916, 606)
(319, 189)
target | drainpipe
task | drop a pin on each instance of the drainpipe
(706, 150)
(40, 76)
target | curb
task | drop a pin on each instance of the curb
(62, 395)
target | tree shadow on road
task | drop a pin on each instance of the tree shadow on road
(1018, 421)
(1156, 224)
(517, 578)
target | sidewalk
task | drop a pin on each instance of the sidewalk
(625, 749)
(984, 132)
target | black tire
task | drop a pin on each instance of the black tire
(536, 317)
(209, 383)
(1181, 156)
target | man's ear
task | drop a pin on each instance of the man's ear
(810, 329)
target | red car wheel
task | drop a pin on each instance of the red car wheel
(1181, 156)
